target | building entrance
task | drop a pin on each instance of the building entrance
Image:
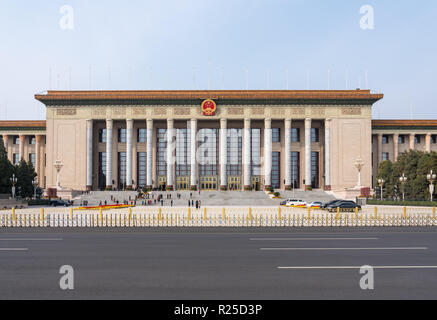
(256, 183)
(234, 183)
(208, 183)
(162, 183)
(183, 183)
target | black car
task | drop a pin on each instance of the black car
(344, 205)
(59, 203)
(325, 205)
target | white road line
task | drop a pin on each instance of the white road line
(308, 239)
(358, 267)
(380, 248)
(14, 249)
(31, 239)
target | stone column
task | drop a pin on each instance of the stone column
(109, 127)
(246, 159)
(395, 146)
(428, 142)
(129, 134)
(37, 158)
(21, 149)
(89, 155)
(149, 154)
(223, 154)
(287, 149)
(328, 154)
(193, 134)
(379, 148)
(267, 153)
(412, 142)
(170, 149)
(308, 183)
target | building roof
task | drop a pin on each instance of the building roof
(404, 124)
(23, 125)
(249, 95)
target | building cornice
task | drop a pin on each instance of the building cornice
(195, 96)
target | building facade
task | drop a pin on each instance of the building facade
(211, 140)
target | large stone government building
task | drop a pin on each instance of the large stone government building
(212, 140)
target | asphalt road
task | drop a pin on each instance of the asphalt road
(219, 263)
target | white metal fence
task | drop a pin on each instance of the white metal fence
(219, 217)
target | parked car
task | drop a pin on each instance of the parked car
(314, 204)
(59, 203)
(344, 205)
(325, 205)
(295, 203)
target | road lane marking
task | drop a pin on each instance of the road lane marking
(357, 267)
(308, 239)
(31, 239)
(14, 249)
(380, 248)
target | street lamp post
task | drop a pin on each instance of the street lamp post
(35, 184)
(359, 164)
(13, 180)
(381, 184)
(58, 166)
(431, 178)
(403, 179)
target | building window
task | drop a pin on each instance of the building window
(32, 140)
(416, 139)
(207, 151)
(122, 170)
(276, 135)
(122, 135)
(255, 145)
(142, 135)
(234, 152)
(314, 134)
(315, 170)
(295, 135)
(385, 156)
(32, 159)
(384, 139)
(102, 135)
(102, 170)
(16, 140)
(295, 169)
(161, 145)
(434, 138)
(15, 158)
(401, 139)
(276, 170)
(183, 152)
(142, 168)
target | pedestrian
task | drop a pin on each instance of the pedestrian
(171, 203)
(191, 195)
(197, 204)
(192, 203)
(189, 202)
(162, 203)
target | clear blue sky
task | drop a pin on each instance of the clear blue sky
(138, 44)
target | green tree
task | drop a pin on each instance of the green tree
(6, 170)
(415, 165)
(25, 174)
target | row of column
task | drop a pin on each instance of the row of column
(412, 137)
(22, 139)
(222, 148)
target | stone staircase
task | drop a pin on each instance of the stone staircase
(207, 198)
